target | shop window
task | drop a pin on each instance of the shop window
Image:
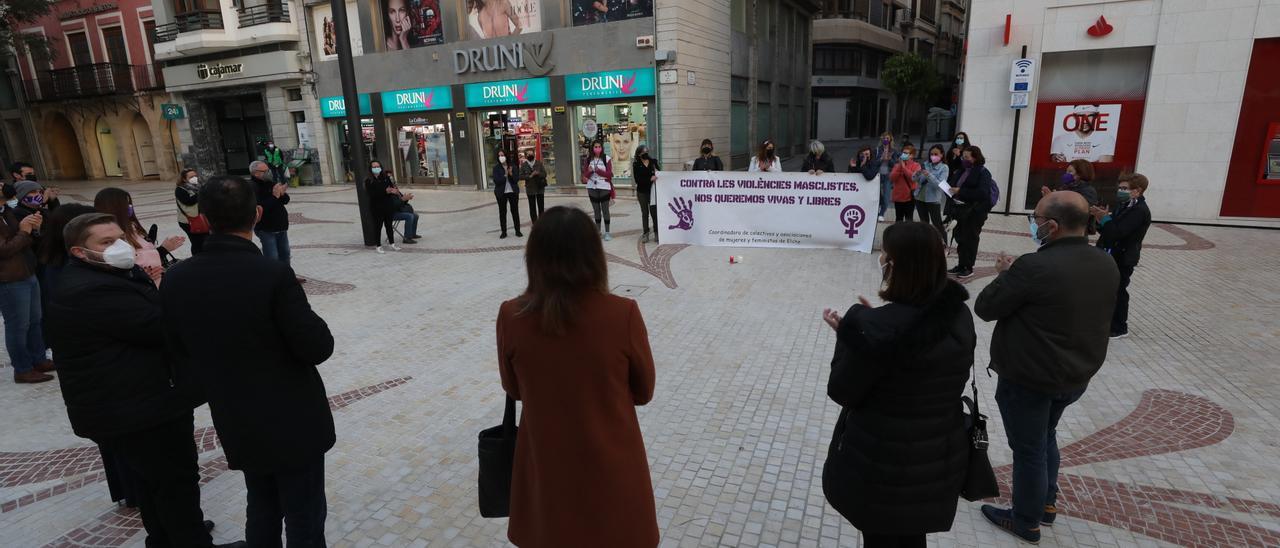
(620, 126)
(517, 132)
(424, 143)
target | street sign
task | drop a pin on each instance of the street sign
(1022, 75)
(172, 112)
(1019, 99)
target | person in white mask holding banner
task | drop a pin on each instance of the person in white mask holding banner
(766, 159)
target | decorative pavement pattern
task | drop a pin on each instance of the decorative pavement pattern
(1175, 443)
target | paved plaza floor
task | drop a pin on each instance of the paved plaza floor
(1175, 443)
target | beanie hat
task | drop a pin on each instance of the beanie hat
(24, 188)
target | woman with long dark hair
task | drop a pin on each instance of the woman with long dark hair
(597, 174)
(766, 159)
(899, 451)
(645, 172)
(574, 354)
(187, 194)
(119, 203)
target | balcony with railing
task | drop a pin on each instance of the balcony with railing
(271, 12)
(95, 80)
(188, 22)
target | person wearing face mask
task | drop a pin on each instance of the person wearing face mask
(707, 160)
(22, 171)
(122, 388)
(818, 161)
(972, 193)
(187, 195)
(1050, 340)
(384, 200)
(897, 372)
(904, 183)
(888, 157)
(766, 159)
(865, 163)
(119, 204)
(534, 175)
(645, 172)
(506, 189)
(597, 174)
(20, 298)
(1078, 178)
(275, 160)
(1121, 234)
(10, 195)
(929, 195)
(255, 354)
(32, 198)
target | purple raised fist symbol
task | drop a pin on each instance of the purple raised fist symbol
(852, 217)
(684, 212)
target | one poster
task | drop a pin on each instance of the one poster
(486, 19)
(590, 12)
(1085, 132)
(304, 135)
(412, 23)
(739, 209)
(327, 34)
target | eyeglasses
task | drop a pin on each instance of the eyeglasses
(1032, 218)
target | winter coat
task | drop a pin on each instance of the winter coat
(975, 190)
(643, 175)
(708, 163)
(275, 217)
(822, 163)
(899, 451)
(928, 178)
(17, 260)
(904, 183)
(869, 170)
(1123, 231)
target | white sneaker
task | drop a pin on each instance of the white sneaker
(380, 250)
(880, 218)
(608, 237)
(395, 247)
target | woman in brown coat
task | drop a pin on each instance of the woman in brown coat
(579, 360)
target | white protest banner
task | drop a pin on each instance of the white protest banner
(742, 209)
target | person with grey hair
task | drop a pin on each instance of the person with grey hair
(122, 388)
(273, 229)
(818, 161)
(1050, 340)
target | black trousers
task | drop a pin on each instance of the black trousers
(536, 204)
(872, 540)
(508, 201)
(1120, 318)
(932, 214)
(296, 496)
(197, 240)
(387, 225)
(903, 210)
(647, 211)
(162, 464)
(968, 232)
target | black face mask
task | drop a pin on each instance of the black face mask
(32, 177)
(706, 150)
(770, 151)
(644, 156)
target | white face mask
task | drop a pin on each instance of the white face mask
(12, 203)
(117, 255)
(194, 180)
(502, 159)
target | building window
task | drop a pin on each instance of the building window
(738, 13)
(929, 10)
(293, 94)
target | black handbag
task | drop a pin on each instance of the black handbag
(497, 456)
(979, 478)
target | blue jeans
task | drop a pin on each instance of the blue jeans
(886, 193)
(23, 334)
(1030, 422)
(410, 223)
(278, 174)
(275, 245)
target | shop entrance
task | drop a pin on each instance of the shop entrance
(424, 149)
(517, 132)
(620, 126)
(242, 122)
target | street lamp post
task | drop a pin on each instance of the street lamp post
(355, 139)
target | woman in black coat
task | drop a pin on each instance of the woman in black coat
(818, 161)
(972, 194)
(898, 455)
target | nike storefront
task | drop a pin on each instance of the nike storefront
(438, 115)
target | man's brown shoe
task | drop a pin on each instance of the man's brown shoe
(45, 366)
(31, 377)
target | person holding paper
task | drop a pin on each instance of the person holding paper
(929, 195)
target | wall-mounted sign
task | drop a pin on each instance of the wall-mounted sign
(1101, 28)
(90, 10)
(205, 71)
(336, 107)
(459, 115)
(169, 111)
(612, 84)
(417, 100)
(559, 109)
(534, 57)
(508, 92)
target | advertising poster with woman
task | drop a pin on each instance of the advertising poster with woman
(327, 34)
(412, 23)
(590, 12)
(494, 18)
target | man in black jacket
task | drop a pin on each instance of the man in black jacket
(118, 382)
(1052, 309)
(255, 353)
(273, 228)
(1122, 233)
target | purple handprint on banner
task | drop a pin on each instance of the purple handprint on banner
(684, 212)
(852, 217)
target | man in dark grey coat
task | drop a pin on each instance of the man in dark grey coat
(1053, 312)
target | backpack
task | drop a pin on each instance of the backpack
(995, 193)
